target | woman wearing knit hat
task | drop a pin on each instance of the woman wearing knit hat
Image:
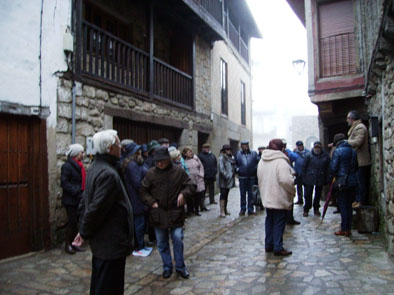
(73, 177)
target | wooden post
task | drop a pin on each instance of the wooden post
(151, 49)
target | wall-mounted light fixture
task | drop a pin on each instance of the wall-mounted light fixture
(373, 128)
(299, 66)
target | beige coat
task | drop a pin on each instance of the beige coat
(196, 172)
(276, 180)
(358, 139)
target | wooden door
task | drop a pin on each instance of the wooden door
(19, 158)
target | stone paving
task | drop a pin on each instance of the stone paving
(226, 256)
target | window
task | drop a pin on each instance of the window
(337, 39)
(223, 86)
(243, 105)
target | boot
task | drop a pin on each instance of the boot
(222, 206)
(225, 208)
(68, 247)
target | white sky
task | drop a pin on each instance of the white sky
(276, 87)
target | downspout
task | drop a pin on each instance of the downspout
(40, 58)
(73, 93)
(70, 62)
(383, 141)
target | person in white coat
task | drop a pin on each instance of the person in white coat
(276, 184)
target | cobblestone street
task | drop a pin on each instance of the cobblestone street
(226, 256)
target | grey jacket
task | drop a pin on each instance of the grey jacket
(226, 172)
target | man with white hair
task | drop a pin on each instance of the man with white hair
(107, 221)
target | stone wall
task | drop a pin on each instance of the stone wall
(382, 153)
(91, 117)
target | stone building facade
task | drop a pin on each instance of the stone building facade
(370, 90)
(144, 68)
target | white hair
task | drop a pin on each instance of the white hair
(103, 140)
(74, 150)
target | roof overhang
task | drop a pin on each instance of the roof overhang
(298, 6)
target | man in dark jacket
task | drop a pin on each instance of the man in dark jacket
(209, 162)
(107, 221)
(246, 167)
(314, 175)
(301, 153)
(343, 167)
(164, 190)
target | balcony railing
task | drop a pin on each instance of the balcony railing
(213, 7)
(109, 59)
(172, 84)
(338, 55)
(244, 50)
(233, 34)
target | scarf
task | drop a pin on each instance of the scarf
(83, 173)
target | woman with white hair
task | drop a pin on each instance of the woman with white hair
(73, 177)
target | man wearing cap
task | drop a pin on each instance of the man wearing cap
(315, 176)
(301, 152)
(358, 139)
(209, 162)
(164, 190)
(164, 142)
(246, 167)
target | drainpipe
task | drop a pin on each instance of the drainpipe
(73, 92)
(383, 141)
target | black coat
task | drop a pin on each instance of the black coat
(315, 169)
(107, 221)
(210, 164)
(71, 182)
(246, 163)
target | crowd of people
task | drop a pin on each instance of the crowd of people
(133, 189)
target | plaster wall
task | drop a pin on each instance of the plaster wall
(237, 72)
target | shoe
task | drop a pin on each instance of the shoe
(197, 214)
(317, 213)
(78, 249)
(343, 233)
(356, 205)
(305, 214)
(252, 213)
(183, 273)
(282, 252)
(167, 274)
(336, 212)
(293, 222)
(269, 249)
(213, 203)
(205, 209)
(69, 249)
(242, 213)
(299, 203)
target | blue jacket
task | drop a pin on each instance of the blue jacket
(134, 175)
(246, 163)
(344, 162)
(292, 156)
(300, 160)
(315, 169)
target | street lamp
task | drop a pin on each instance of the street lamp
(299, 66)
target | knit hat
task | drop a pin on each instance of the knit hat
(298, 143)
(161, 153)
(317, 143)
(225, 147)
(163, 140)
(74, 150)
(244, 142)
(338, 137)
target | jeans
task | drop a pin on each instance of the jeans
(107, 276)
(246, 185)
(163, 245)
(139, 228)
(363, 184)
(210, 187)
(308, 197)
(344, 201)
(275, 224)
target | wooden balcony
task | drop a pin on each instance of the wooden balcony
(108, 59)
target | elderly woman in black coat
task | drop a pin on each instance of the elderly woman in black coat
(73, 183)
